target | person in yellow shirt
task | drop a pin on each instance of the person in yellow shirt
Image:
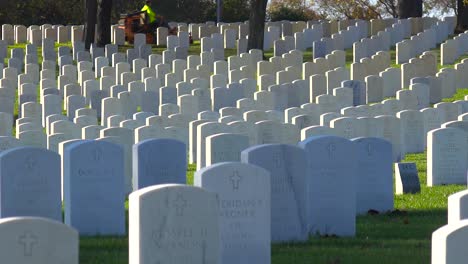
(149, 12)
(154, 21)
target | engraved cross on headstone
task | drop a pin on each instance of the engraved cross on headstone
(277, 160)
(180, 203)
(28, 240)
(31, 163)
(235, 180)
(369, 149)
(97, 153)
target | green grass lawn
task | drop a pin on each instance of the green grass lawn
(401, 236)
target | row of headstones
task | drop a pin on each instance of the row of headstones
(77, 54)
(244, 213)
(378, 64)
(307, 118)
(285, 76)
(65, 55)
(292, 72)
(281, 79)
(412, 26)
(424, 65)
(342, 40)
(70, 75)
(287, 28)
(239, 31)
(424, 41)
(62, 34)
(443, 84)
(314, 37)
(397, 32)
(406, 130)
(409, 99)
(58, 129)
(89, 169)
(300, 35)
(19, 34)
(448, 241)
(383, 40)
(192, 110)
(452, 49)
(280, 174)
(257, 196)
(12, 76)
(302, 40)
(299, 40)
(368, 47)
(387, 35)
(227, 34)
(234, 178)
(101, 62)
(415, 68)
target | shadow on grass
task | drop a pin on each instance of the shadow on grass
(397, 237)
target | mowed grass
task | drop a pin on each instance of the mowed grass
(401, 236)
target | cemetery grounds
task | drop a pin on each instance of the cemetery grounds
(400, 236)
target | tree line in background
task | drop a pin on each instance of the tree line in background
(37, 12)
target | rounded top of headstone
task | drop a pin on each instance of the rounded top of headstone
(313, 139)
(448, 230)
(161, 141)
(28, 150)
(269, 148)
(161, 187)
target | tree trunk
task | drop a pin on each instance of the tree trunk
(90, 22)
(104, 22)
(462, 19)
(410, 8)
(219, 10)
(257, 24)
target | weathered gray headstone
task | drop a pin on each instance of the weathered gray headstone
(30, 183)
(243, 191)
(332, 176)
(173, 223)
(93, 178)
(37, 240)
(406, 178)
(287, 166)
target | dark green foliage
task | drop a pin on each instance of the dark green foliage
(286, 13)
(39, 12)
(235, 10)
